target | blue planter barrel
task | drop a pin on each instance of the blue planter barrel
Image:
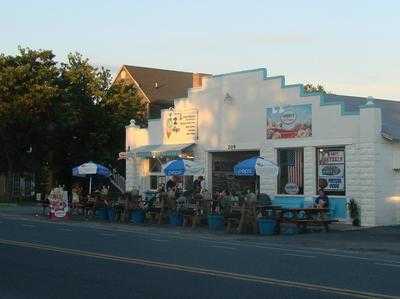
(266, 226)
(137, 216)
(102, 214)
(215, 222)
(176, 219)
(110, 214)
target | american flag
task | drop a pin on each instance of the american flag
(295, 167)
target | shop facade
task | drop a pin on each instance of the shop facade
(349, 143)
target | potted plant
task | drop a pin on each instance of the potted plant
(354, 212)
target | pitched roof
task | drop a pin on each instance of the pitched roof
(159, 84)
(390, 112)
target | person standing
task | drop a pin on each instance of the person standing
(170, 184)
(198, 184)
(248, 213)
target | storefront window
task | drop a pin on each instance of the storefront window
(291, 174)
(223, 177)
(331, 170)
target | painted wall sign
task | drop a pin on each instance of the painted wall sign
(331, 168)
(180, 126)
(289, 122)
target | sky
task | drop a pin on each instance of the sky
(350, 47)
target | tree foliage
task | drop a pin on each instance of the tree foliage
(56, 116)
(310, 88)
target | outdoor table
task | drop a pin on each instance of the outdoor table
(45, 204)
(120, 210)
(188, 215)
(154, 212)
(303, 217)
(233, 218)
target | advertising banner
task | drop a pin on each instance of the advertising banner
(289, 122)
(331, 157)
(334, 175)
(331, 168)
(58, 199)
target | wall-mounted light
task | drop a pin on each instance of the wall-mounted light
(228, 98)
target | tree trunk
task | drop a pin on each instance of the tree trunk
(52, 182)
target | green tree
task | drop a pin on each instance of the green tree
(28, 91)
(310, 88)
(55, 116)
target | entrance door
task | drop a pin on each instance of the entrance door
(223, 177)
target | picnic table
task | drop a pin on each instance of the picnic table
(233, 218)
(303, 217)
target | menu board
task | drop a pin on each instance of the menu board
(331, 168)
(180, 126)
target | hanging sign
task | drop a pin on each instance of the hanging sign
(180, 126)
(289, 122)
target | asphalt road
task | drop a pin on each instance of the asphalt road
(39, 259)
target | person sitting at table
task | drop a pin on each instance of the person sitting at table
(322, 201)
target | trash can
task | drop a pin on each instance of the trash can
(215, 222)
(137, 216)
(176, 219)
(266, 227)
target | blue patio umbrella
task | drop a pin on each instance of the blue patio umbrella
(181, 167)
(90, 169)
(255, 166)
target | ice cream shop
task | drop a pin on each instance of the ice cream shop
(347, 145)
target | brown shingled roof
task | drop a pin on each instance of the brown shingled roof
(159, 84)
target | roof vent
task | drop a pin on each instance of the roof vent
(370, 101)
(156, 85)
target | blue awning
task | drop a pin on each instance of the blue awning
(160, 150)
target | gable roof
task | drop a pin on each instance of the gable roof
(159, 84)
(390, 112)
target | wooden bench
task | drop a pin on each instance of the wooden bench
(303, 223)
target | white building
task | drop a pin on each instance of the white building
(350, 142)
